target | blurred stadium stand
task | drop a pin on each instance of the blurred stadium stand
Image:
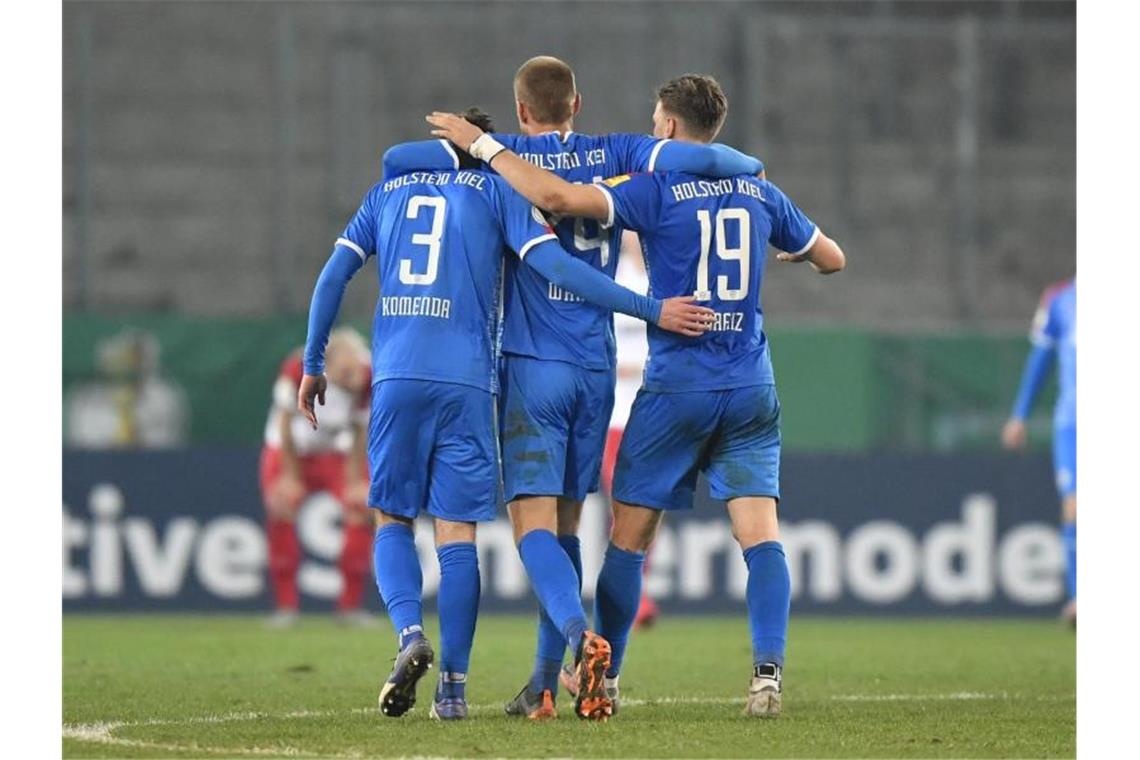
(211, 157)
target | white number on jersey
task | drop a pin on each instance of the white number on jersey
(438, 206)
(740, 253)
(600, 241)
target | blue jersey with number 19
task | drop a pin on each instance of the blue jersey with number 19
(439, 238)
(708, 238)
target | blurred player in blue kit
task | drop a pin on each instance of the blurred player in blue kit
(708, 403)
(1054, 339)
(559, 354)
(439, 239)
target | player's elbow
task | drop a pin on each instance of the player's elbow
(557, 200)
(828, 256)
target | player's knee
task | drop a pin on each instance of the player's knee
(450, 532)
(279, 509)
(569, 517)
(387, 518)
(634, 528)
(754, 520)
(531, 513)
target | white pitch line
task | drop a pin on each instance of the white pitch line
(956, 696)
(105, 732)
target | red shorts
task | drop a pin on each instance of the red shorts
(319, 472)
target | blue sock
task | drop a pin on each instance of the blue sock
(555, 584)
(400, 580)
(551, 644)
(458, 609)
(769, 597)
(615, 606)
(1069, 540)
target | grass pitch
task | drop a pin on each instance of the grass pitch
(158, 686)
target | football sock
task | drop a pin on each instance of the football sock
(284, 557)
(555, 584)
(458, 610)
(353, 565)
(451, 685)
(400, 580)
(551, 644)
(769, 595)
(615, 606)
(1069, 540)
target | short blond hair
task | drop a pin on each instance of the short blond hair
(545, 85)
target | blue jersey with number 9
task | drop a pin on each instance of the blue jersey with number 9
(708, 238)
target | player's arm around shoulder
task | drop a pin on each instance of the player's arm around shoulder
(542, 188)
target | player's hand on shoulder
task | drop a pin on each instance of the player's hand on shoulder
(680, 315)
(454, 128)
(312, 387)
(1013, 434)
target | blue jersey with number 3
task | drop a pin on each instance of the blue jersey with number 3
(439, 239)
(708, 238)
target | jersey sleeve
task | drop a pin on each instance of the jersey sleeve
(522, 223)
(634, 201)
(1045, 328)
(634, 153)
(642, 153)
(422, 154)
(792, 231)
(360, 234)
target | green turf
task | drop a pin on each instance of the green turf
(224, 687)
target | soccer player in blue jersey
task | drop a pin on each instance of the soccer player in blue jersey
(708, 404)
(1054, 338)
(559, 352)
(438, 238)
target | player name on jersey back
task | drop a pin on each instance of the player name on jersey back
(470, 179)
(415, 306)
(710, 188)
(564, 160)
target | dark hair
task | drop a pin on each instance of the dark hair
(698, 101)
(481, 119)
(546, 86)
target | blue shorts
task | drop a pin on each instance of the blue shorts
(1065, 459)
(732, 436)
(432, 447)
(554, 418)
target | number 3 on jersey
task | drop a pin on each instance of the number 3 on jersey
(437, 205)
(740, 253)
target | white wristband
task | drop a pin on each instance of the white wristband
(485, 147)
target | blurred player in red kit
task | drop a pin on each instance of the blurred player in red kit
(632, 353)
(298, 461)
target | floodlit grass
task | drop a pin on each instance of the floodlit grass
(178, 686)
